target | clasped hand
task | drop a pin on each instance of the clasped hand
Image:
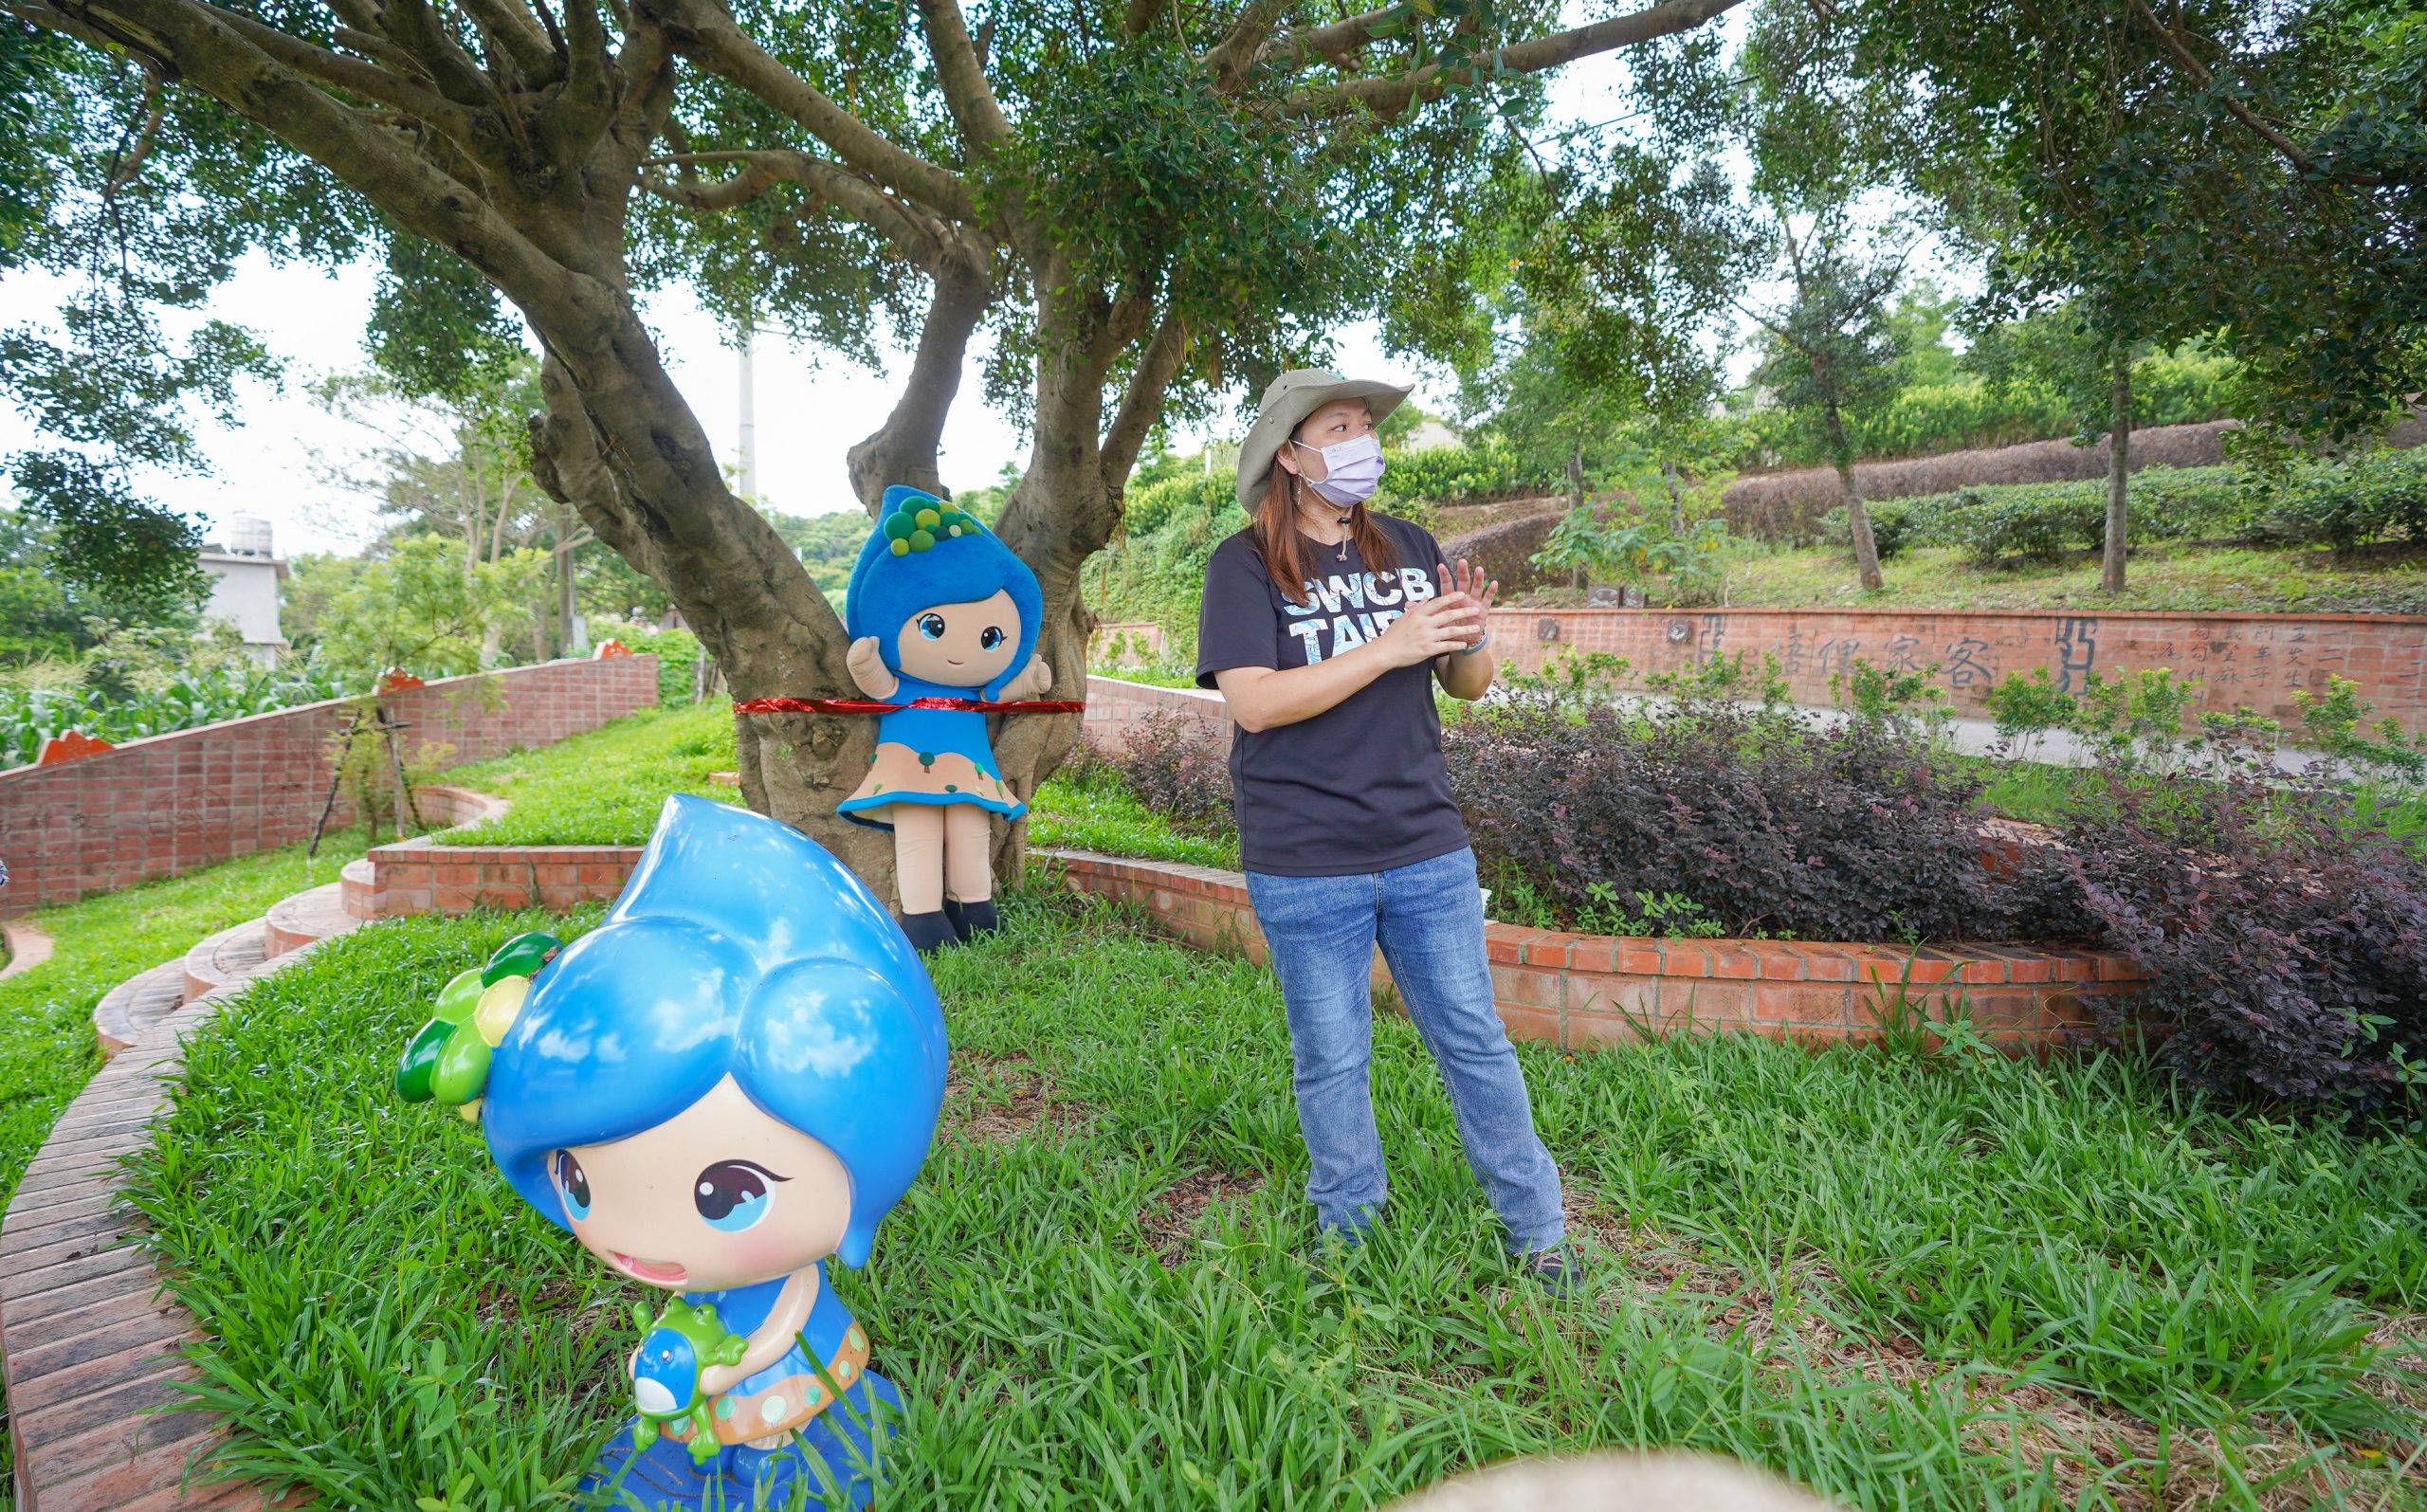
(1451, 620)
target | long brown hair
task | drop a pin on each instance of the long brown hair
(1274, 535)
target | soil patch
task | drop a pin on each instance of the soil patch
(997, 1099)
(1169, 1222)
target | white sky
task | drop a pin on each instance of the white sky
(808, 413)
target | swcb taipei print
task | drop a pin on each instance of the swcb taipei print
(1347, 609)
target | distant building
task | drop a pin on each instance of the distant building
(245, 575)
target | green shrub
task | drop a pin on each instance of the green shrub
(2377, 496)
(1475, 473)
(102, 698)
(2033, 521)
(2040, 522)
(1894, 526)
(677, 651)
(1152, 506)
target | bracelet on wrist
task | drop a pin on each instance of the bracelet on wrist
(1470, 651)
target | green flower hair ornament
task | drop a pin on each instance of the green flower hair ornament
(921, 523)
(444, 1063)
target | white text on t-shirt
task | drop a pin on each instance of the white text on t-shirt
(1354, 608)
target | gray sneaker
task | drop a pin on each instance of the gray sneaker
(1550, 1270)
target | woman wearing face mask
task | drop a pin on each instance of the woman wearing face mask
(1326, 627)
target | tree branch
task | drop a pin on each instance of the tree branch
(903, 450)
(1141, 400)
(1391, 94)
(456, 73)
(1227, 60)
(366, 81)
(519, 35)
(1335, 44)
(706, 33)
(921, 237)
(2200, 74)
(197, 45)
(380, 50)
(971, 100)
(131, 163)
(753, 181)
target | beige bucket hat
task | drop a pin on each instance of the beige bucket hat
(1285, 407)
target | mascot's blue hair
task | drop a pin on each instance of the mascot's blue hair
(900, 574)
(738, 948)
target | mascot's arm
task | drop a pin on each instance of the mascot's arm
(1037, 679)
(866, 663)
(772, 1339)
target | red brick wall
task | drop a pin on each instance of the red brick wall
(1115, 708)
(169, 804)
(2259, 659)
(414, 878)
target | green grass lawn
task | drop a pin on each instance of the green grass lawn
(603, 788)
(46, 1047)
(2171, 576)
(1910, 1282)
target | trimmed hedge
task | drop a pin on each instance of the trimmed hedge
(2377, 497)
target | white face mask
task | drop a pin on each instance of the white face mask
(1354, 469)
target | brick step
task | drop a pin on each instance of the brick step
(358, 889)
(296, 921)
(224, 958)
(137, 1004)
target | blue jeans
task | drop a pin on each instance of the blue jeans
(1429, 920)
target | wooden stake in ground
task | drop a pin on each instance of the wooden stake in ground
(404, 805)
(337, 780)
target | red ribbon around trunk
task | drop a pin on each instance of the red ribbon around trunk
(873, 706)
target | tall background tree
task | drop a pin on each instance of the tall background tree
(2252, 173)
(1143, 204)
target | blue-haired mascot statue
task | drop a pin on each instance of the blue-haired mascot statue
(732, 1079)
(939, 609)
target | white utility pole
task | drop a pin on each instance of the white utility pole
(749, 451)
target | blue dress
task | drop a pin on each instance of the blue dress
(820, 1393)
(932, 756)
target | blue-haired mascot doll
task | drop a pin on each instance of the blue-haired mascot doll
(732, 1077)
(938, 610)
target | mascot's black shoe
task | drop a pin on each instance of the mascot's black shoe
(929, 933)
(971, 919)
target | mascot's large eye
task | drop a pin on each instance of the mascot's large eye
(990, 637)
(932, 626)
(574, 1183)
(733, 1194)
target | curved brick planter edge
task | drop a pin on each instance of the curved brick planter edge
(89, 1337)
(1576, 991)
(1586, 990)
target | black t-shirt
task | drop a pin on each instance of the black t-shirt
(1361, 787)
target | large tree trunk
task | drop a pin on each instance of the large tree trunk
(771, 632)
(2119, 472)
